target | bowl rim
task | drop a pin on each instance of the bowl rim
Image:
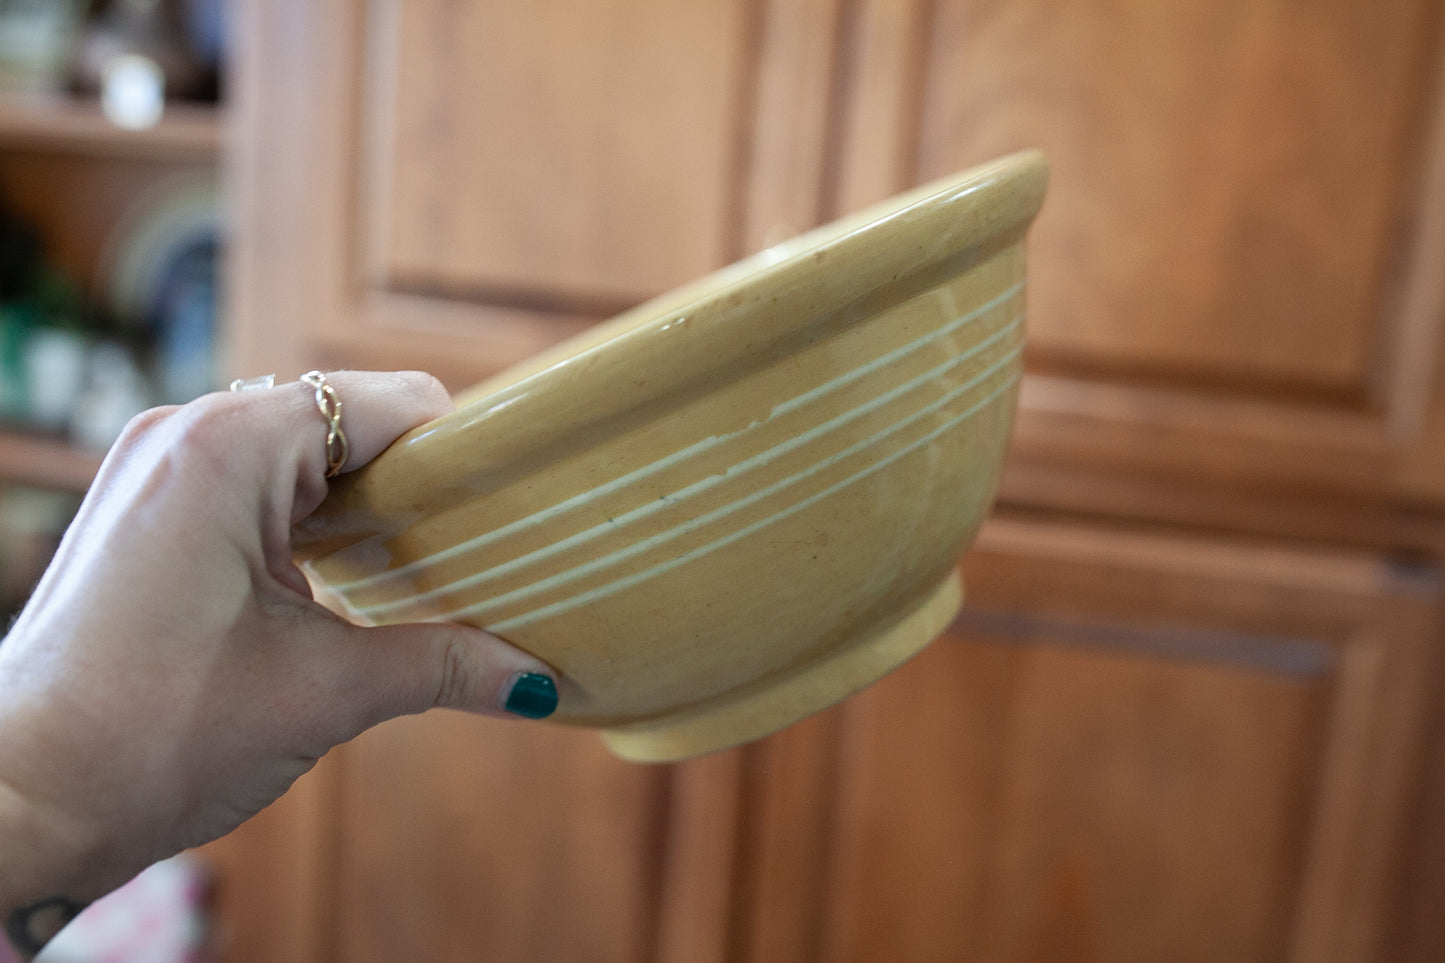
(688, 341)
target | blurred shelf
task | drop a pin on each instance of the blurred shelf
(45, 462)
(187, 132)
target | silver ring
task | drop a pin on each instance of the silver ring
(260, 383)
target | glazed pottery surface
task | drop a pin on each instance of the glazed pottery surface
(734, 505)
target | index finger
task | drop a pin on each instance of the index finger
(375, 407)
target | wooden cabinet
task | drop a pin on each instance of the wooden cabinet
(1130, 747)
(542, 821)
(1190, 710)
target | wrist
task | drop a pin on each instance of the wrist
(43, 856)
(32, 907)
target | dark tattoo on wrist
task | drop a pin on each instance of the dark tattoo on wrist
(31, 927)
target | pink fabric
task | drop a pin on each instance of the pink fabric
(158, 917)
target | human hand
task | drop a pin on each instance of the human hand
(172, 675)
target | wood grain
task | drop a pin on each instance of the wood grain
(700, 878)
(885, 55)
(563, 147)
(273, 888)
(784, 841)
(1101, 806)
(468, 838)
(790, 133)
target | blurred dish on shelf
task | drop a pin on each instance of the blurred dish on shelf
(158, 275)
(134, 31)
(36, 40)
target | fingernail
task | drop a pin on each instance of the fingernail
(533, 696)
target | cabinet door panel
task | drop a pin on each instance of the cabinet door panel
(456, 186)
(576, 150)
(1099, 806)
(465, 839)
(1226, 175)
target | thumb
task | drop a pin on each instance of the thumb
(374, 674)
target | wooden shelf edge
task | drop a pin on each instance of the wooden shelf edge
(187, 132)
(45, 462)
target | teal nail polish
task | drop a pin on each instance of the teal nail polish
(533, 696)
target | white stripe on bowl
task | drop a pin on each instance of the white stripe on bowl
(696, 488)
(691, 524)
(544, 515)
(626, 582)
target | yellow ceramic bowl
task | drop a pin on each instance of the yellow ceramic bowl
(730, 507)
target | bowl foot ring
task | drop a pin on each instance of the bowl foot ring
(738, 718)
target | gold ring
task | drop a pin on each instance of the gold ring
(337, 447)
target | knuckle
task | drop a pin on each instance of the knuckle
(201, 429)
(143, 426)
(457, 687)
(201, 439)
(425, 386)
(160, 446)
